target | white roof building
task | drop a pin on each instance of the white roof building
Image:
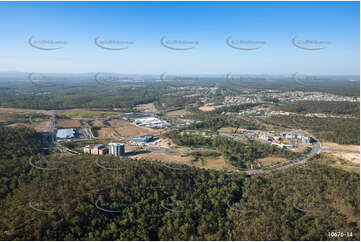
(65, 133)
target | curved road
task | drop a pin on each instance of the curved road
(316, 148)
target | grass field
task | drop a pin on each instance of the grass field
(84, 113)
(217, 163)
(271, 160)
(22, 117)
(177, 113)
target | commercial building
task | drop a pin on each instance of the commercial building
(87, 149)
(98, 149)
(152, 122)
(63, 134)
(297, 136)
(263, 137)
(116, 149)
(144, 139)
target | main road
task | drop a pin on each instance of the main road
(315, 149)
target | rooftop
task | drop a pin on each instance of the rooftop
(115, 144)
(65, 133)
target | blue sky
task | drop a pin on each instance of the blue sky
(273, 23)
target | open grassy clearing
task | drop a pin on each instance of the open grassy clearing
(84, 113)
(271, 160)
(177, 113)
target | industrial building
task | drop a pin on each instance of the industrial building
(144, 139)
(98, 149)
(264, 137)
(63, 134)
(297, 136)
(116, 149)
(152, 122)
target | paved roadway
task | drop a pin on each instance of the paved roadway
(316, 148)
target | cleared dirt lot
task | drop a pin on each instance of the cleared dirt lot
(124, 130)
(68, 123)
(106, 132)
(132, 130)
(166, 157)
(41, 126)
(346, 161)
(97, 123)
(149, 107)
(118, 123)
(337, 146)
(351, 157)
(207, 107)
(217, 163)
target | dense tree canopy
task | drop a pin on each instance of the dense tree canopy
(85, 198)
(338, 130)
(335, 108)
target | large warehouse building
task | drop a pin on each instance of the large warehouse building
(152, 122)
(63, 134)
(144, 139)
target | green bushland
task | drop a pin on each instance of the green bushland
(338, 130)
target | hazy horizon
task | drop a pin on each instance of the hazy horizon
(181, 37)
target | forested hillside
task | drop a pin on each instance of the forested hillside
(83, 198)
(338, 130)
(16, 146)
(334, 108)
(74, 96)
